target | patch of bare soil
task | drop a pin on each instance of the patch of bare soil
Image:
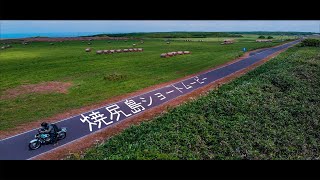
(45, 87)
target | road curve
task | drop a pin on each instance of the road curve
(16, 147)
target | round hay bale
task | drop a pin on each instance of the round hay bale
(179, 52)
(125, 50)
(186, 52)
(168, 42)
(133, 44)
(174, 53)
(3, 47)
(135, 49)
(106, 51)
(130, 50)
(140, 49)
(112, 51)
(163, 55)
(141, 42)
(88, 49)
(89, 43)
(99, 52)
(118, 50)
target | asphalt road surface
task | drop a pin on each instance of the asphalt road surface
(16, 147)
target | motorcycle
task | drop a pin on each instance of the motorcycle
(44, 138)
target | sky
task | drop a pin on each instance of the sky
(125, 26)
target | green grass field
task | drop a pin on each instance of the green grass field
(270, 113)
(245, 38)
(68, 62)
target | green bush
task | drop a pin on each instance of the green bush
(311, 42)
(270, 37)
(262, 37)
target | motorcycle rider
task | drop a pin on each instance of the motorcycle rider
(48, 128)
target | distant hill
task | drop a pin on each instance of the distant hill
(274, 33)
(171, 35)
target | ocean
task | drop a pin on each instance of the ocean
(61, 34)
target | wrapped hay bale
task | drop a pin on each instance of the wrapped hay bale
(163, 55)
(180, 52)
(119, 50)
(89, 43)
(130, 50)
(186, 52)
(140, 49)
(88, 49)
(106, 51)
(112, 51)
(135, 49)
(99, 52)
(174, 53)
(125, 50)
(170, 54)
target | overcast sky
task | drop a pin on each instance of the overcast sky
(52, 26)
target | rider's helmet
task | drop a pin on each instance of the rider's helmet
(44, 124)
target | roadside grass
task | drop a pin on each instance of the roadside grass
(97, 77)
(271, 112)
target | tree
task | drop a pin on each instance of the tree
(270, 37)
(262, 37)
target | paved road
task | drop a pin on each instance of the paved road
(16, 147)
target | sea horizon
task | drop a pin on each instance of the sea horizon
(52, 35)
(77, 34)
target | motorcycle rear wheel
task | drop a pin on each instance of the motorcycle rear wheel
(35, 145)
(62, 135)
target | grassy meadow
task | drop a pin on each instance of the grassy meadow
(93, 75)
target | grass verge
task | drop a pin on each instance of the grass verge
(270, 113)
